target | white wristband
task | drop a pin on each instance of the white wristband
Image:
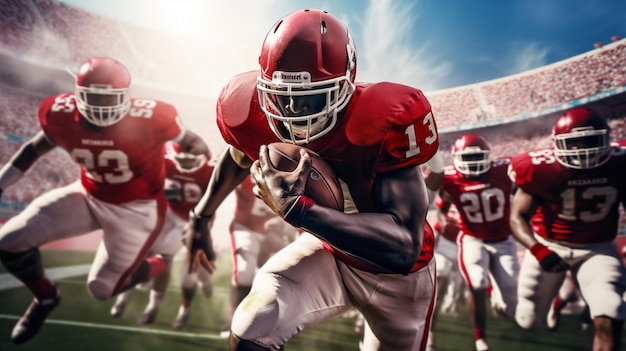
(9, 174)
(435, 164)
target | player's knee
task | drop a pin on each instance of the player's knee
(608, 304)
(207, 289)
(239, 344)
(526, 321)
(100, 290)
(256, 316)
(603, 326)
(190, 280)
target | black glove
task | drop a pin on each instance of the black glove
(549, 260)
(197, 239)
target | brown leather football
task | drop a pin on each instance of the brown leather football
(322, 186)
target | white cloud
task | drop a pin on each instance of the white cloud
(230, 33)
(387, 51)
(524, 57)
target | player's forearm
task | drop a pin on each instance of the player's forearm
(549, 260)
(522, 231)
(30, 151)
(373, 237)
(22, 160)
(225, 178)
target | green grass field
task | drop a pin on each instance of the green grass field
(83, 323)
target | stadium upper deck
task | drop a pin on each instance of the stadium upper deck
(55, 34)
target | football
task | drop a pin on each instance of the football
(322, 186)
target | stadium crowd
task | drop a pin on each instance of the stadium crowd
(58, 34)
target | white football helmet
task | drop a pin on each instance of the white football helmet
(102, 91)
(471, 155)
(185, 162)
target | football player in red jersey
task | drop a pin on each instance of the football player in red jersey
(566, 212)
(377, 255)
(480, 189)
(187, 175)
(256, 233)
(118, 141)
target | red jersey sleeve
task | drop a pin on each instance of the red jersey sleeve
(61, 106)
(403, 120)
(524, 166)
(240, 119)
(164, 114)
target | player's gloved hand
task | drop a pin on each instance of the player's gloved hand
(282, 191)
(198, 240)
(549, 260)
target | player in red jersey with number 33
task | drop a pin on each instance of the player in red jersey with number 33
(118, 141)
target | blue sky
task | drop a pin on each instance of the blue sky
(429, 44)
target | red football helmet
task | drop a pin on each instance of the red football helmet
(581, 139)
(185, 162)
(308, 67)
(103, 91)
(470, 154)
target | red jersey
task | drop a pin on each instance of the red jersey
(250, 211)
(576, 206)
(191, 183)
(483, 202)
(384, 127)
(119, 163)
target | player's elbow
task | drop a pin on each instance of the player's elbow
(406, 259)
(405, 269)
(394, 260)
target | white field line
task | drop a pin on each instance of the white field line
(122, 328)
(7, 281)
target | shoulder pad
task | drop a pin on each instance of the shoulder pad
(382, 107)
(233, 103)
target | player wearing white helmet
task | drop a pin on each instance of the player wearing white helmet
(480, 189)
(118, 141)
